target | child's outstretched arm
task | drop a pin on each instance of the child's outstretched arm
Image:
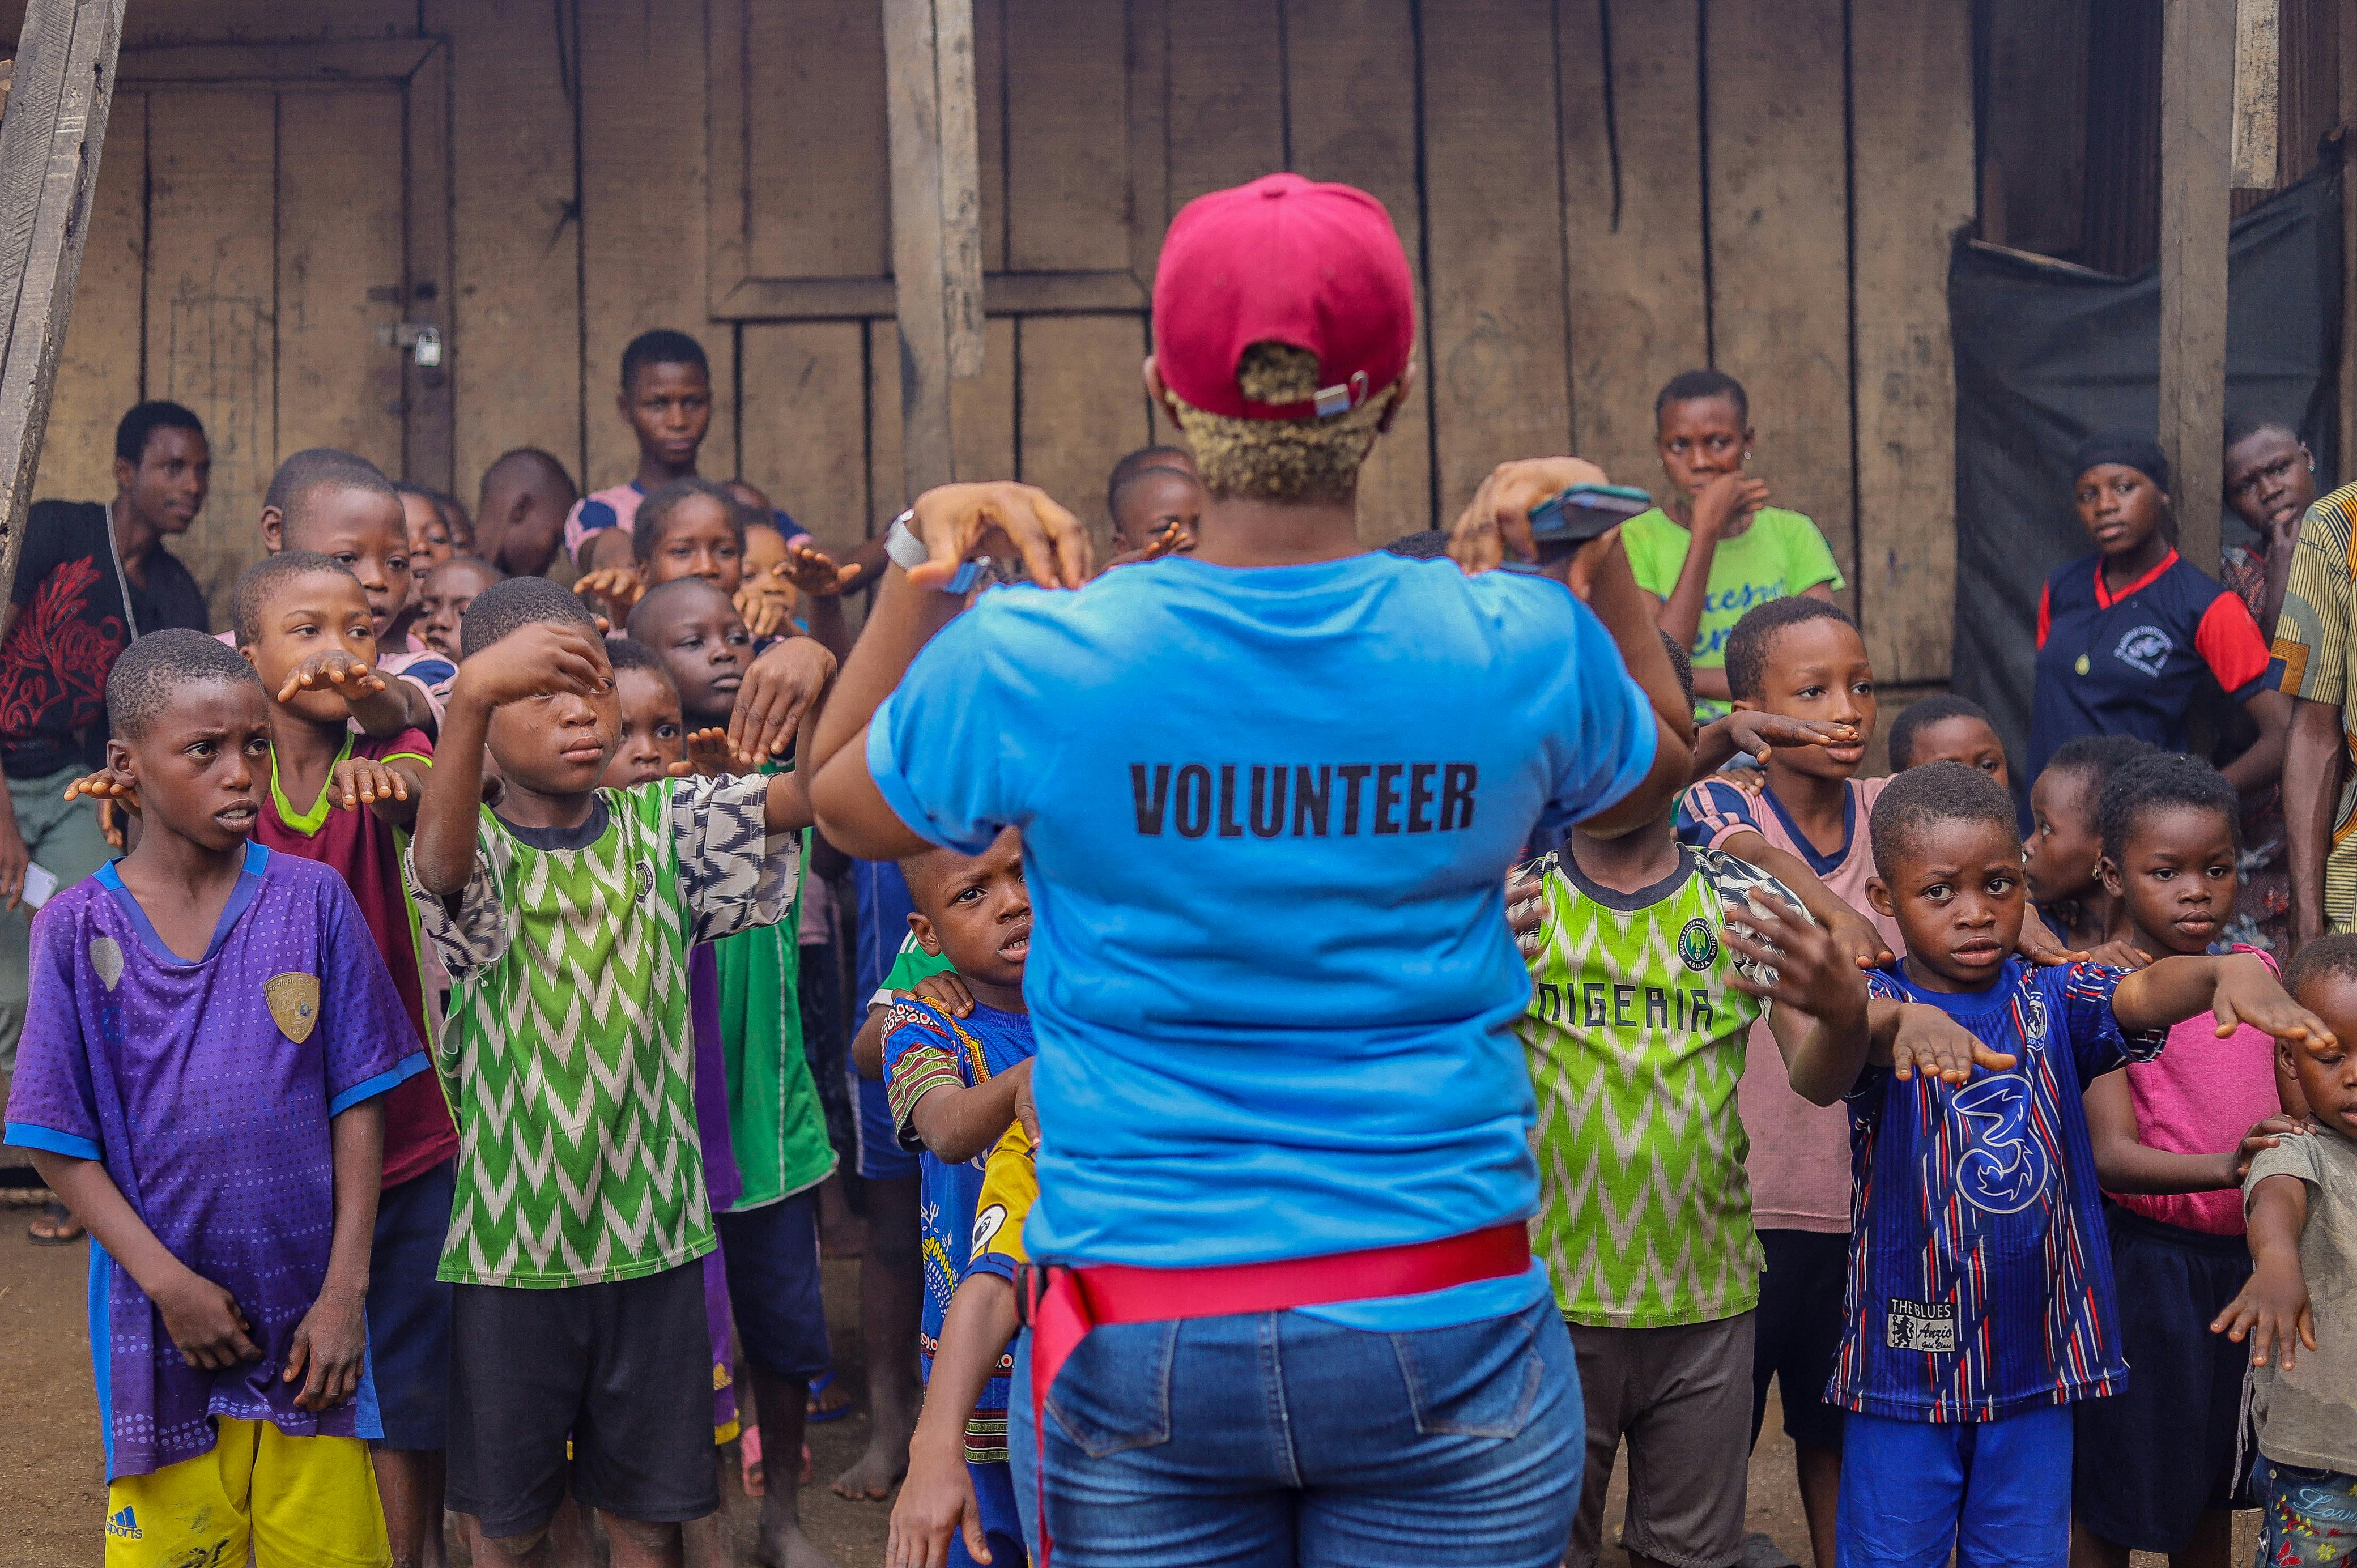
(1754, 734)
(787, 701)
(2236, 987)
(2124, 1164)
(390, 789)
(331, 1345)
(1827, 907)
(937, 1500)
(542, 659)
(203, 1319)
(956, 1124)
(2274, 1304)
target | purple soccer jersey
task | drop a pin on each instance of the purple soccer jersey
(207, 1089)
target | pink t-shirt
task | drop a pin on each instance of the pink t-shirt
(600, 511)
(2199, 1097)
(1799, 1163)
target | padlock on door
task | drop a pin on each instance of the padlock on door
(423, 341)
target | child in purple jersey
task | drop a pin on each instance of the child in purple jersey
(1980, 1303)
(211, 1030)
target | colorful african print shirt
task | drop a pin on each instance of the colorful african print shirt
(1636, 1042)
(1980, 1273)
(925, 1049)
(569, 1053)
(2313, 643)
(206, 1087)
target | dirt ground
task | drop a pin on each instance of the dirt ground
(52, 1495)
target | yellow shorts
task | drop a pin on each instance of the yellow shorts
(303, 1502)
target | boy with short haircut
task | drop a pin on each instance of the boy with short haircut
(1802, 660)
(666, 400)
(347, 801)
(2066, 839)
(1154, 512)
(1981, 1303)
(565, 918)
(953, 1082)
(2301, 1197)
(2156, 1465)
(521, 510)
(1944, 727)
(201, 1078)
(769, 1232)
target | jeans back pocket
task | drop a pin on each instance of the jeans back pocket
(1475, 1379)
(1113, 1394)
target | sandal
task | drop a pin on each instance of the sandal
(823, 1409)
(748, 1462)
(63, 1229)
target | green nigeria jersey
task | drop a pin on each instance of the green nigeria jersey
(568, 1053)
(1636, 1043)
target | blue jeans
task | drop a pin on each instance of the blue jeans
(1272, 1439)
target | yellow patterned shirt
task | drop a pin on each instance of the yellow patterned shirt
(2313, 638)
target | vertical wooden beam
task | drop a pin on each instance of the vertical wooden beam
(2197, 101)
(49, 145)
(2258, 91)
(936, 225)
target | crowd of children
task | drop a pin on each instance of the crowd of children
(448, 1071)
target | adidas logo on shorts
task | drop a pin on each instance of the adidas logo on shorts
(125, 1524)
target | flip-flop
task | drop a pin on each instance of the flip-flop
(818, 1389)
(748, 1461)
(57, 1214)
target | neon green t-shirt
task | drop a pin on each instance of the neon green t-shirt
(909, 965)
(1780, 555)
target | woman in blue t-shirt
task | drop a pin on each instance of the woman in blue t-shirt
(1268, 792)
(2126, 633)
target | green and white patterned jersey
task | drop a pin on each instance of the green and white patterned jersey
(1636, 1043)
(568, 1054)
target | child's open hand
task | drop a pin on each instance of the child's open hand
(536, 661)
(762, 613)
(2273, 1307)
(204, 1321)
(332, 670)
(2118, 955)
(1857, 936)
(619, 587)
(963, 523)
(1931, 1043)
(1794, 962)
(708, 755)
(781, 684)
(362, 781)
(1174, 540)
(105, 784)
(936, 1504)
(947, 993)
(2265, 1134)
(815, 572)
(327, 1352)
(2247, 993)
(1756, 735)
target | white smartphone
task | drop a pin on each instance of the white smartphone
(40, 884)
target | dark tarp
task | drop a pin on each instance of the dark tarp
(2047, 353)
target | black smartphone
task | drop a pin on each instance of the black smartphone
(1579, 512)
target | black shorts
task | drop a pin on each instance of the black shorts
(623, 1368)
(773, 1285)
(1796, 1333)
(2146, 1461)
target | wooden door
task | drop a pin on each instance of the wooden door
(252, 245)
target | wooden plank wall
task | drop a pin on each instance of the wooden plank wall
(1594, 195)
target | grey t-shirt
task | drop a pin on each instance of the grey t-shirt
(2308, 1416)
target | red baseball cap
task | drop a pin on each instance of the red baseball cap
(1283, 260)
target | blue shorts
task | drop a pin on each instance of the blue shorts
(881, 1157)
(1997, 1493)
(993, 1496)
(409, 1311)
(773, 1285)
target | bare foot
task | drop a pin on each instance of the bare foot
(781, 1543)
(879, 1468)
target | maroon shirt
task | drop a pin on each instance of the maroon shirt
(366, 854)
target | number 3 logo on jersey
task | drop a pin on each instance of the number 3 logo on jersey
(2002, 1172)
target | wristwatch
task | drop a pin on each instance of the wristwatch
(908, 551)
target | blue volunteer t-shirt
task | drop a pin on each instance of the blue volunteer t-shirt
(1980, 1270)
(1266, 818)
